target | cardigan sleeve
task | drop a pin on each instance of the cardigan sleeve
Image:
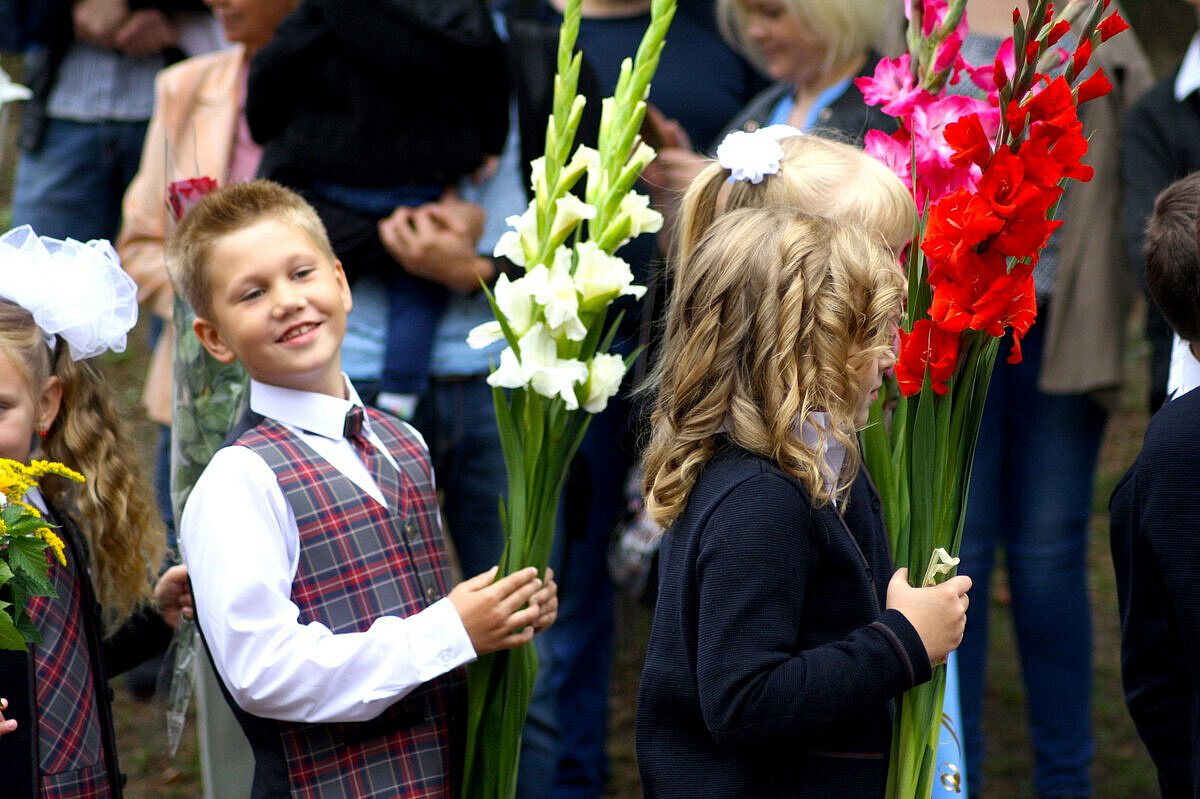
(755, 566)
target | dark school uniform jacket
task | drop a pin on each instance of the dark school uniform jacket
(772, 664)
(1155, 539)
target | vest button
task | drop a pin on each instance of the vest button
(825, 114)
(431, 593)
(409, 531)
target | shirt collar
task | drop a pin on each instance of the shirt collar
(833, 453)
(1187, 80)
(315, 413)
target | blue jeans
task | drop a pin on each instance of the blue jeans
(1031, 491)
(458, 422)
(72, 185)
(564, 753)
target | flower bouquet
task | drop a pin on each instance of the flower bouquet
(209, 398)
(27, 545)
(987, 173)
(556, 369)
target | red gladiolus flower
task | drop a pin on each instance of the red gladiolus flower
(926, 347)
(1083, 54)
(1095, 86)
(988, 298)
(183, 194)
(958, 223)
(969, 140)
(1111, 26)
(1004, 188)
(1057, 32)
(1052, 105)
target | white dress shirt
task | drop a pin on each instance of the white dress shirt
(1185, 370)
(241, 545)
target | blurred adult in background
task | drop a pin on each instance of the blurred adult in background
(198, 128)
(1031, 488)
(813, 50)
(1162, 145)
(91, 66)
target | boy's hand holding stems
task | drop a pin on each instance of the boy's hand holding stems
(506, 613)
(937, 612)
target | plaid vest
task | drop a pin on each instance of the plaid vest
(359, 561)
(71, 762)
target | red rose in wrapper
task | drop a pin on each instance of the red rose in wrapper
(183, 194)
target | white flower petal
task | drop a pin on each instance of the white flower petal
(604, 381)
(483, 335)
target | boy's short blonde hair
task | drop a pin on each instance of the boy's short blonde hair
(222, 213)
(817, 176)
(849, 28)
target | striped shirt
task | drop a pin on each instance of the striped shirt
(97, 84)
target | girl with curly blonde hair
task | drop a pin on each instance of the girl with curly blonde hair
(778, 641)
(55, 405)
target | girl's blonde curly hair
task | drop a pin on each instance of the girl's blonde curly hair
(772, 317)
(113, 509)
(819, 176)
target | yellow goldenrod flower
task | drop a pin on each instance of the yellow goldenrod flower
(39, 469)
(55, 543)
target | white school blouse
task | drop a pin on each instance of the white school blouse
(240, 542)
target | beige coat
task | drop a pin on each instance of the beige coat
(1094, 285)
(191, 134)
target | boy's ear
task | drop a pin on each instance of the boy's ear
(210, 337)
(347, 300)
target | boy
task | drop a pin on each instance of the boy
(313, 541)
(1155, 523)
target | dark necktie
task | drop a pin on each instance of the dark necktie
(381, 469)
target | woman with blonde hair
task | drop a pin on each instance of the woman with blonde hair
(778, 641)
(813, 50)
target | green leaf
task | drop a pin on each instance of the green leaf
(27, 557)
(10, 636)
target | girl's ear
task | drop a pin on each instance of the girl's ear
(210, 337)
(49, 403)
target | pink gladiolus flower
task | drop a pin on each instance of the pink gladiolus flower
(892, 87)
(892, 152)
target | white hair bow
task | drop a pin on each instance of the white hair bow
(752, 155)
(75, 291)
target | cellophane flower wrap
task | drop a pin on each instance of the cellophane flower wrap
(209, 398)
(987, 173)
(29, 548)
(556, 370)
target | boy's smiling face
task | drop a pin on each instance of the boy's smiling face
(279, 305)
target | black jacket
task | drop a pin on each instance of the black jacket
(772, 664)
(379, 93)
(848, 118)
(143, 636)
(1155, 539)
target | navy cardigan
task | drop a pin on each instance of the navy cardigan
(772, 664)
(1155, 518)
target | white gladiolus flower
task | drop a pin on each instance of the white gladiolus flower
(569, 210)
(604, 379)
(515, 300)
(484, 334)
(559, 298)
(601, 277)
(519, 244)
(540, 368)
(643, 218)
(537, 176)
